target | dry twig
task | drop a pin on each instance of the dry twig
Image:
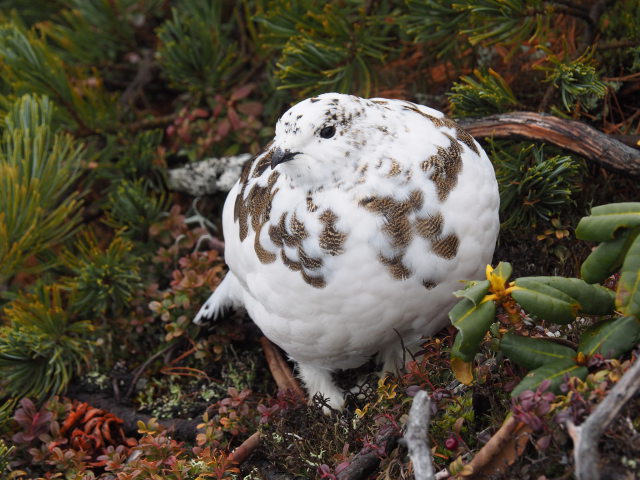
(279, 369)
(585, 436)
(242, 452)
(501, 450)
(417, 436)
(367, 460)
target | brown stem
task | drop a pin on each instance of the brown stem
(242, 452)
(279, 369)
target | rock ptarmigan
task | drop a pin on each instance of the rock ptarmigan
(354, 227)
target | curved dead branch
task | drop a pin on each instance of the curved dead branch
(585, 437)
(571, 135)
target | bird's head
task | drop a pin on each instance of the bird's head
(323, 139)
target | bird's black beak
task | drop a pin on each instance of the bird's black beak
(280, 156)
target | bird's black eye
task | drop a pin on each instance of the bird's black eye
(328, 132)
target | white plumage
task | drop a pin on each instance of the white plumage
(354, 226)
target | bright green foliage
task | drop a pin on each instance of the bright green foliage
(30, 65)
(42, 346)
(485, 94)
(606, 258)
(556, 372)
(196, 51)
(37, 169)
(611, 338)
(577, 81)
(558, 300)
(108, 26)
(512, 21)
(134, 206)
(533, 353)
(475, 291)
(628, 297)
(606, 222)
(104, 279)
(5, 457)
(480, 22)
(436, 22)
(617, 226)
(533, 185)
(325, 47)
(472, 322)
(137, 158)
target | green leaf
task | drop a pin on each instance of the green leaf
(532, 353)
(472, 322)
(628, 296)
(591, 299)
(474, 292)
(606, 220)
(544, 301)
(607, 258)
(555, 372)
(611, 338)
(503, 271)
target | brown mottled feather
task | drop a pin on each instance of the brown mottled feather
(331, 239)
(311, 207)
(395, 169)
(265, 256)
(398, 270)
(446, 247)
(314, 281)
(293, 265)
(444, 167)
(308, 262)
(429, 284)
(429, 227)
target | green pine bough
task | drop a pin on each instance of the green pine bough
(560, 300)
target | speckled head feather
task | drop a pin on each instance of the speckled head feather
(356, 224)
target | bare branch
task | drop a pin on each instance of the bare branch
(585, 437)
(502, 449)
(417, 436)
(242, 452)
(576, 137)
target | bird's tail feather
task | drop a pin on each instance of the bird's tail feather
(221, 299)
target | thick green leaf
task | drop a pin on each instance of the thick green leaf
(628, 296)
(611, 338)
(532, 353)
(503, 270)
(555, 372)
(475, 292)
(606, 220)
(607, 258)
(591, 299)
(472, 321)
(544, 301)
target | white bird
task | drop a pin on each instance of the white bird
(354, 227)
